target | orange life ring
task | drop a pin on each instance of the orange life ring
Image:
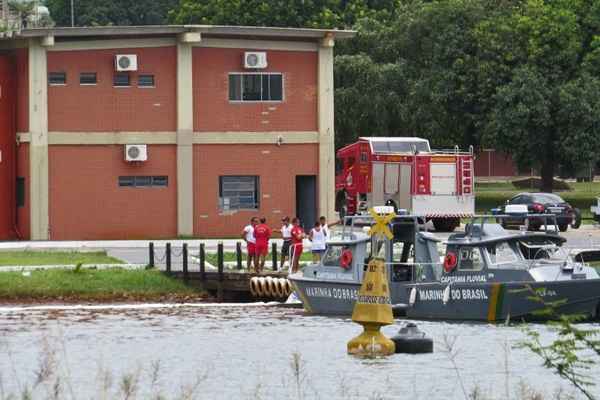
(346, 259)
(450, 262)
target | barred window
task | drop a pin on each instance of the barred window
(239, 192)
(256, 87)
(88, 78)
(143, 181)
(146, 81)
(121, 80)
(57, 78)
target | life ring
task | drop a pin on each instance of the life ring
(450, 262)
(346, 259)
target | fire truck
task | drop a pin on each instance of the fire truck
(406, 174)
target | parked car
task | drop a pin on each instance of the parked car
(541, 203)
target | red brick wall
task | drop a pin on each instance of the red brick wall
(87, 203)
(213, 111)
(22, 70)
(23, 217)
(494, 163)
(277, 170)
(105, 108)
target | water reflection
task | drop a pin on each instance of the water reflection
(248, 352)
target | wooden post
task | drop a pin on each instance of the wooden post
(151, 255)
(274, 255)
(202, 265)
(238, 254)
(168, 256)
(184, 253)
(220, 266)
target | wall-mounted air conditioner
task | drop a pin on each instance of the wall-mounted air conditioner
(136, 152)
(255, 59)
(126, 62)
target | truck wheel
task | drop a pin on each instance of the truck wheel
(563, 227)
(445, 224)
(576, 223)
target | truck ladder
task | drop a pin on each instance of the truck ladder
(466, 175)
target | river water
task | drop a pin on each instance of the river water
(248, 352)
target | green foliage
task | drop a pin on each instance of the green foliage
(111, 12)
(573, 352)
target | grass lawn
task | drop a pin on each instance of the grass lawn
(489, 195)
(91, 284)
(26, 258)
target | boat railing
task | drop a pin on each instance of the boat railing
(360, 223)
(549, 221)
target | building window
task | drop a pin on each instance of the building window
(20, 193)
(88, 78)
(57, 78)
(121, 80)
(146, 81)
(143, 181)
(256, 87)
(238, 192)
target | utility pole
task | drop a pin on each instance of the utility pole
(72, 14)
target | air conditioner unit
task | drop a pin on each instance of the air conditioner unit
(126, 62)
(136, 152)
(255, 59)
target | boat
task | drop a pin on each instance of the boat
(485, 273)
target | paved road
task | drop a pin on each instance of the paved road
(136, 251)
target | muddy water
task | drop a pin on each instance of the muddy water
(246, 352)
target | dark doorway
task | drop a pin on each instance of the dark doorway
(306, 200)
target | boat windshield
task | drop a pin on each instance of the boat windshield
(333, 254)
(504, 255)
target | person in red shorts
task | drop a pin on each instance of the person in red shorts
(262, 234)
(248, 236)
(297, 237)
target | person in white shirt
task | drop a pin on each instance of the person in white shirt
(318, 239)
(248, 236)
(286, 234)
(325, 227)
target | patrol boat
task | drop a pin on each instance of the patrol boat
(486, 273)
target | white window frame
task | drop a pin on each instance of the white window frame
(256, 101)
(57, 84)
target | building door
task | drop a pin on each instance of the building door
(306, 200)
(7, 148)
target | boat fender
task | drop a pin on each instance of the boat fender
(289, 287)
(276, 288)
(412, 341)
(253, 286)
(576, 223)
(269, 284)
(413, 296)
(281, 287)
(261, 287)
(346, 259)
(446, 297)
(450, 262)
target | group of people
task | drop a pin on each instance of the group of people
(257, 235)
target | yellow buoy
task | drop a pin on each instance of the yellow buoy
(373, 310)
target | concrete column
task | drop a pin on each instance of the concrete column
(38, 146)
(185, 133)
(326, 130)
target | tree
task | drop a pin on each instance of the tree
(111, 12)
(545, 109)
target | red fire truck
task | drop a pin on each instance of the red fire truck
(407, 174)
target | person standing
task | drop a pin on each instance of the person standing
(296, 247)
(286, 234)
(248, 236)
(317, 237)
(325, 227)
(262, 234)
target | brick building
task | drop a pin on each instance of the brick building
(234, 121)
